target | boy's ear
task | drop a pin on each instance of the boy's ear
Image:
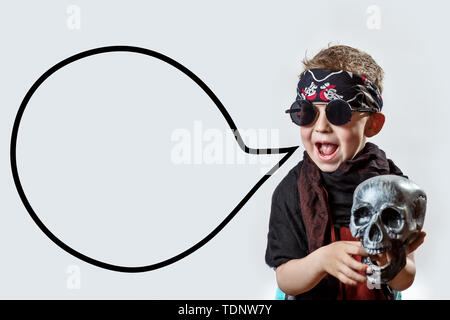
(374, 124)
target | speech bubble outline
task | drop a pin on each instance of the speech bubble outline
(285, 150)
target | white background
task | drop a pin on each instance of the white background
(249, 54)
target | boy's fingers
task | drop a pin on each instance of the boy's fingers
(355, 250)
(353, 243)
(420, 237)
(416, 243)
(351, 274)
(355, 265)
(345, 280)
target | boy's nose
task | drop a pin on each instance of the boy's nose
(322, 124)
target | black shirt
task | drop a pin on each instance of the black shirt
(287, 234)
(340, 199)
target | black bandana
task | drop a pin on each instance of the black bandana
(319, 85)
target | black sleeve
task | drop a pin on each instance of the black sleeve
(286, 239)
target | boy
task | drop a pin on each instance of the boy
(338, 106)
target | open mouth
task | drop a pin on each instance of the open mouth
(326, 151)
(371, 260)
(386, 272)
(374, 252)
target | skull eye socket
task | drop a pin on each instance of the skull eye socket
(361, 216)
(392, 218)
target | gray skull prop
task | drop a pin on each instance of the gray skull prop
(387, 214)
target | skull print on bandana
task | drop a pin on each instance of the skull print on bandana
(320, 85)
(387, 214)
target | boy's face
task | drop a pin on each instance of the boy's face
(345, 141)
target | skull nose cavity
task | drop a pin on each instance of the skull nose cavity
(375, 234)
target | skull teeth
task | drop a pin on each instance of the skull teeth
(375, 250)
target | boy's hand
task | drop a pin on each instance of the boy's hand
(385, 257)
(336, 259)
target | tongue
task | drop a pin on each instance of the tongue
(327, 148)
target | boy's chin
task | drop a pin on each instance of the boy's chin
(323, 166)
(327, 167)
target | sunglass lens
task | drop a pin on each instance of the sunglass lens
(338, 112)
(305, 115)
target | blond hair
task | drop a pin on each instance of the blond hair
(340, 57)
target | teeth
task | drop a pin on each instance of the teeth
(375, 251)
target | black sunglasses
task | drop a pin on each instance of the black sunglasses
(338, 112)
